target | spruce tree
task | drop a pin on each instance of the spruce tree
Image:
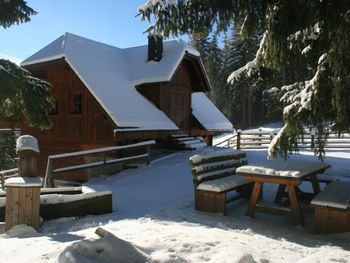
(307, 39)
(213, 65)
(22, 97)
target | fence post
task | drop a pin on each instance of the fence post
(312, 140)
(2, 181)
(238, 145)
(148, 155)
(49, 183)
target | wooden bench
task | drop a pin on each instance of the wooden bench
(332, 208)
(214, 176)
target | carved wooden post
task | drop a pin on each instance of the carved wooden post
(28, 151)
(23, 192)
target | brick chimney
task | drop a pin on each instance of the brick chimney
(155, 47)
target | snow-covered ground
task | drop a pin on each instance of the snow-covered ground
(154, 221)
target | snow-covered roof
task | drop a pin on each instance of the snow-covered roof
(111, 75)
(208, 114)
(107, 70)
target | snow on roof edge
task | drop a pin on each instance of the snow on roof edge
(47, 59)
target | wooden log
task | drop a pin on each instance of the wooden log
(95, 205)
(61, 190)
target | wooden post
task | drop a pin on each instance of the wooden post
(312, 140)
(148, 155)
(49, 182)
(238, 145)
(22, 201)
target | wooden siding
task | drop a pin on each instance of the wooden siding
(70, 132)
(174, 97)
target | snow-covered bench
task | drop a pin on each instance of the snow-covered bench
(332, 208)
(214, 176)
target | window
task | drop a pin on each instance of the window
(76, 104)
(55, 107)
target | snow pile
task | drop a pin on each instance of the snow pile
(22, 231)
(107, 249)
(27, 142)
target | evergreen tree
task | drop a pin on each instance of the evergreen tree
(200, 41)
(213, 65)
(21, 95)
(8, 150)
(307, 39)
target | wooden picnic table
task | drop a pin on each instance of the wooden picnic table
(287, 174)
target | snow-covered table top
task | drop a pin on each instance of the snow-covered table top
(284, 168)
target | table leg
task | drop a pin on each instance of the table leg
(253, 199)
(315, 183)
(294, 202)
(280, 192)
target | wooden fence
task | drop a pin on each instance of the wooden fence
(261, 139)
(7, 174)
(49, 177)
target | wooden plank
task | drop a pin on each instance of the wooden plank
(100, 163)
(29, 207)
(12, 198)
(272, 179)
(35, 207)
(284, 211)
(22, 206)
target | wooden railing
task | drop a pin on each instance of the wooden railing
(7, 174)
(49, 177)
(261, 140)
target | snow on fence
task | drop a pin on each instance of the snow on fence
(49, 177)
(260, 139)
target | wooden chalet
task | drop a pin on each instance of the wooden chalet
(109, 96)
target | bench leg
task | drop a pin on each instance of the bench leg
(297, 213)
(280, 194)
(253, 199)
(315, 184)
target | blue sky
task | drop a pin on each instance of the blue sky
(108, 21)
